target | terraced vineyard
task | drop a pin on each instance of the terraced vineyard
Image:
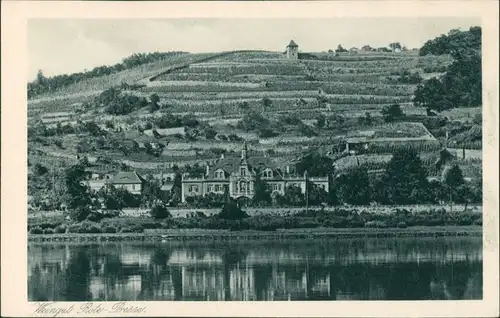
(219, 88)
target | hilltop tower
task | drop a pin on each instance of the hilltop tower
(292, 51)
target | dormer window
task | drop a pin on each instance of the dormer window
(219, 174)
(268, 173)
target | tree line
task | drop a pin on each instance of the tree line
(43, 84)
(461, 85)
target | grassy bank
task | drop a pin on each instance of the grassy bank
(165, 235)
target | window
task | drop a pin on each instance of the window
(268, 173)
(243, 186)
(275, 187)
(210, 188)
(193, 188)
(133, 187)
(243, 171)
(219, 174)
(218, 188)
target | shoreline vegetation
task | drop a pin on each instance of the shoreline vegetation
(198, 235)
(233, 223)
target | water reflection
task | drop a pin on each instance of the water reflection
(366, 269)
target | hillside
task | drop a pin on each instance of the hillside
(191, 108)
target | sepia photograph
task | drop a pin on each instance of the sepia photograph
(247, 159)
(223, 166)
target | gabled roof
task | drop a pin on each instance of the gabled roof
(232, 164)
(292, 44)
(127, 177)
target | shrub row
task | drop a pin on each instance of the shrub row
(338, 218)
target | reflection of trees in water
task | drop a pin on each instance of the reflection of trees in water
(262, 275)
(231, 257)
(151, 277)
(402, 281)
(160, 257)
(37, 289)
(77, 277)
(456, 279)
(348, 274)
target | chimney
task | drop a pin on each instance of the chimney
(287, 169)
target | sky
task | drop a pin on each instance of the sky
(62, 46)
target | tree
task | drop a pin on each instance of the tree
(390, 113)
(176, 192)
(453, 181)
(40, 170)
(430, 95)
(315, 164)
(210, 133)
(154, 103)
(78, 196)
(321, 121)
(231, 211)
(395, 46)
(118, 198)
(262, 194)
(405, 179)
(151, 193)
(316, 195)
(244, 106)
(253, 121)
(266, 103)
(455, 39)
(160, 211)
(340, 49)
(354, 187)
(366, 120)
(40, 78)
(461, 85)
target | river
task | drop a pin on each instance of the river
(445, 268)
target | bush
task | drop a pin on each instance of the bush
(478, 221)
(48, 231)
(85, 227)
(376, 224)
(132, 229)
(36, 230)
(60, 229)
(108, 229)
(231, 211)
(160, 211)
(402, 225)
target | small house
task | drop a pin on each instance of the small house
(356, 144)
(129, 180)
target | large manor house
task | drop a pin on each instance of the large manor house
(238, 175)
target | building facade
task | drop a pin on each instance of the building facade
(129, 180)
(292, 51)
(237, 176)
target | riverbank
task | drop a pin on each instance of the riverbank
(166, 235)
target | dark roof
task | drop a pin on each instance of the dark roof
(232, 164)
(127, 177)
(292, 44)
